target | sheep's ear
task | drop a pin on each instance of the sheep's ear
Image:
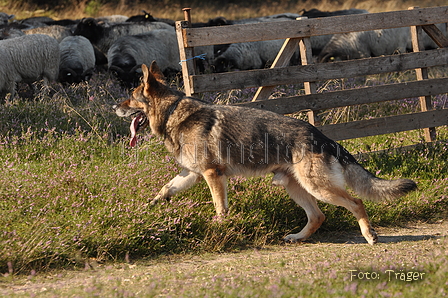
(156, 72)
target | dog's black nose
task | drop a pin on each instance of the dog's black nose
(114, 107)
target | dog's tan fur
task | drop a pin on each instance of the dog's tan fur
(214, 142)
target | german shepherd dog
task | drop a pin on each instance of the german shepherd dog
(216, 141)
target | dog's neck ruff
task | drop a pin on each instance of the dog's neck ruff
(170, 111)
(173, 107)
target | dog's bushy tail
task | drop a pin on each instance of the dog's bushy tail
(372, 188)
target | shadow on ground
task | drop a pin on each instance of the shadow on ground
(409, 233)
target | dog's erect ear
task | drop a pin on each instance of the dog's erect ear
(146, 73)
(156, 72)
(153, 73)
(153, 79)
(149, 81)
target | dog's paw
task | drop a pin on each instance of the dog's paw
(292, 238)
(373, 237)
(370, 235)
(154, 201)
(159, 198)
(164, 194)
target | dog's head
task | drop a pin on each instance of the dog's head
(138, 106)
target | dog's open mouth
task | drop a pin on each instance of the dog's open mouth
(138, 122)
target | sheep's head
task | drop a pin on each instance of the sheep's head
(128, 76)
(71, 73)
(222, 64)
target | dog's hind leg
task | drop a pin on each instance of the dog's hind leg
(183, 181)
(217, 182)
(305, 200)
(340, 197)
(325, 182)
(356, 206)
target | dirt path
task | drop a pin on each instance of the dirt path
(411, 245)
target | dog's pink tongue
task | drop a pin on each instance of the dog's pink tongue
(134, 125)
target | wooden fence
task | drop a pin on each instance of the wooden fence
(297, 33)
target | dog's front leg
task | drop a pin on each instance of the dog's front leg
(217, 182)
(183, 181)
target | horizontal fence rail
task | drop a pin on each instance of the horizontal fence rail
(384, 125)
(194, 37)
(317, 72)
(350, 97)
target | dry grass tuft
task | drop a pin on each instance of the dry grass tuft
(201, 11)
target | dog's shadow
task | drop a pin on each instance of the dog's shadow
(344, 238)
(406, 238)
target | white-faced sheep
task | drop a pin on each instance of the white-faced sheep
(127, 54)
(27, 58)
(364, 44)
(103, 36)
(77, 59)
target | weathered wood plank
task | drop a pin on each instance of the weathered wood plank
(436, 35)
(186, 57)
(385, 125)
(365, 95)
(312, 27)
(362, 154)
(422, 74)
(283, 59)
(318, 72)
(310, 87)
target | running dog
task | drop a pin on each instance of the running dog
(218, 141)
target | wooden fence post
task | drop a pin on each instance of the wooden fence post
(283, 57)
(186, 54)
(281, 60)
(422, 74)
(306, 56)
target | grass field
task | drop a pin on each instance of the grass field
(73, 194)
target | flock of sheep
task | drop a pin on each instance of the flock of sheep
(70, 50)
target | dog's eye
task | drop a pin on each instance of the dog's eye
(137, 96)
